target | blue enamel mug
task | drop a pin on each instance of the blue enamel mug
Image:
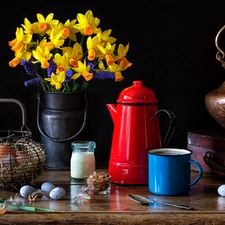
(169, 171)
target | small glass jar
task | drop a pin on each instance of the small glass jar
(98, 183)
(82, 160)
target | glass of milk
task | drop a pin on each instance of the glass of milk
(82, 160)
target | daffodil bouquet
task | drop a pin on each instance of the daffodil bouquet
(64, 57)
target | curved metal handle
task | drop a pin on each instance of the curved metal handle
(12, 100)
(220, 54)
(60, 140)
(171, 127)
(209, 159)
(200, 172)
(25, 131)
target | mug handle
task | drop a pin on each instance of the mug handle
(200, 172)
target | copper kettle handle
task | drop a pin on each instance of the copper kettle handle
(220, 54)
(171, 128)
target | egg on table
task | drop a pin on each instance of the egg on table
(47, 187)
(221, 190)
(26, 190)
(57, 193)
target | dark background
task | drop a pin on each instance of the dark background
(172, 48)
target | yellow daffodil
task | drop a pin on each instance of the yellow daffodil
(107, 52)
(28, 27)
(68, 54)
(45, 43)
(108, 49)
(45, 25)
(57, 80)
(104, 36)
(56, 40)
(67, 30)
(82, 69)
(87, 24)
(18, 57)
(126, 62)
(74, 53)
(42, 55)
(62, 62)
(101, 66)
(122, 52)
(14, 62)
(117, 70)
(21, 39)
(92, 46)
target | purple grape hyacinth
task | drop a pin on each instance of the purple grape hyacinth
(30, 68)
(104, 75)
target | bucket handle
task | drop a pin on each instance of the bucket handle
(220, 54)
(171, 127)
(60, 140)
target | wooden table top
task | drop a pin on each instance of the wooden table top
(118, 208)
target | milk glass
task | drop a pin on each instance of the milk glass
(82, 160)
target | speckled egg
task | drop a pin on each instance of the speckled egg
(47, 187)
(221, 190)
(26, 190)
(57, 193)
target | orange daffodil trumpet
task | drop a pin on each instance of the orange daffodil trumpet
(64, 57)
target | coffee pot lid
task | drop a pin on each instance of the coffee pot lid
(137, 94)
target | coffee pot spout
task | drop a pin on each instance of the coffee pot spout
(112, 110)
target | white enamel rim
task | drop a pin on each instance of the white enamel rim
(161, 150)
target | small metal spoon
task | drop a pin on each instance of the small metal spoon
(145, 201)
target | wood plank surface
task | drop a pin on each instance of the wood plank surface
(118, 208)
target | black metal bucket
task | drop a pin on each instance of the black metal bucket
(60, 118)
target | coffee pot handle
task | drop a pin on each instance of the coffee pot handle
(171, 128)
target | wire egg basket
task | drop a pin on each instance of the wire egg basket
(21, 158)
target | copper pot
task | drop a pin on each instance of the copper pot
(215, 104)
(215, 100)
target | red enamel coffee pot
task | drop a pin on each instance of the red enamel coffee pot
(136, 131)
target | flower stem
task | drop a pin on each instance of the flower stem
(82, 40)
